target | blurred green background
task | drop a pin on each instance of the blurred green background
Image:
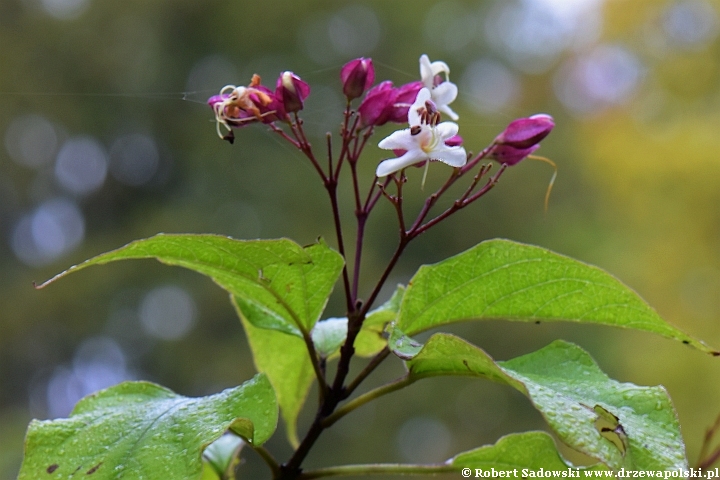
(107, 138)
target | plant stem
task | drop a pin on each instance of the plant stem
(705, 460)
(331, 187)
(365, 398)
(379, 469)
(376, 360)
(459, 204)
(317, 367)
(269, 459)
(404, 240)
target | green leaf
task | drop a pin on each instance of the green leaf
(370, 340)
(565, 385)
(142, 430)
(285, 360)
(500, 279)
(531, 451)
(329, 335)
(402, 345)
(222, 454)
(279, 284)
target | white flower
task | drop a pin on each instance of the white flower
(445, 92)
(422, 141)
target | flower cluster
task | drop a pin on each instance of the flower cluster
(420, 103)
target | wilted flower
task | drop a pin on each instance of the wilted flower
(357, 76)
(443, 91)
(291, 91)
(424, 140)
(239, 106)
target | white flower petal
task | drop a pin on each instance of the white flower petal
(448, 111)
(446, 130)
(453, 156)
(402, 139)
(445, 93)
(426, 73)
(423, 96)
(393, 165)
(428, 70)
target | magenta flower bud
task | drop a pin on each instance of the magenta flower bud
(376, 107)
(510, 155)
(405, 96)
(454, 141)
(357, 76)
(291, 92)
(526, 132)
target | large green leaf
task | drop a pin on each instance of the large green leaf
(278, 284)
(500, 279)
(575, 397)
(520, 452)
(142, 430)
(285, 360)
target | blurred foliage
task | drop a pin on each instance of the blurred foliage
(638, 191)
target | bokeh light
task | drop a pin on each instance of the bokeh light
(134, 159)
(52, 230)
(424, 440)
(167, 312)
(32, 141)
(98, 363)
(65, 9)
(488, 86)
(81, 165)
(606, 76)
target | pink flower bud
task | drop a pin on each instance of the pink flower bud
(510, 155)
(454, 141)
(526, 132)
(376, 107)
(291, 92)
(405, 96)
(357, 76)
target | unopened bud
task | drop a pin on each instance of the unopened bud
(291, 91)
(377, 106)
(510, 155)
(357, 77)
(526, 132)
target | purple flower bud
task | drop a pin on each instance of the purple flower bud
(510, 155)
(291, 92)
(376, 107)
(357, 76)
(526, 132)
(454, 141)
(405, 96)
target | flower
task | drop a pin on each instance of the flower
(291, 91)
(376, 107)
(405, 95)
(357, 76)
(443, 92)
(424, 140)
(521, 138)
(526, 132)
(236, 106)
(510, 155)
